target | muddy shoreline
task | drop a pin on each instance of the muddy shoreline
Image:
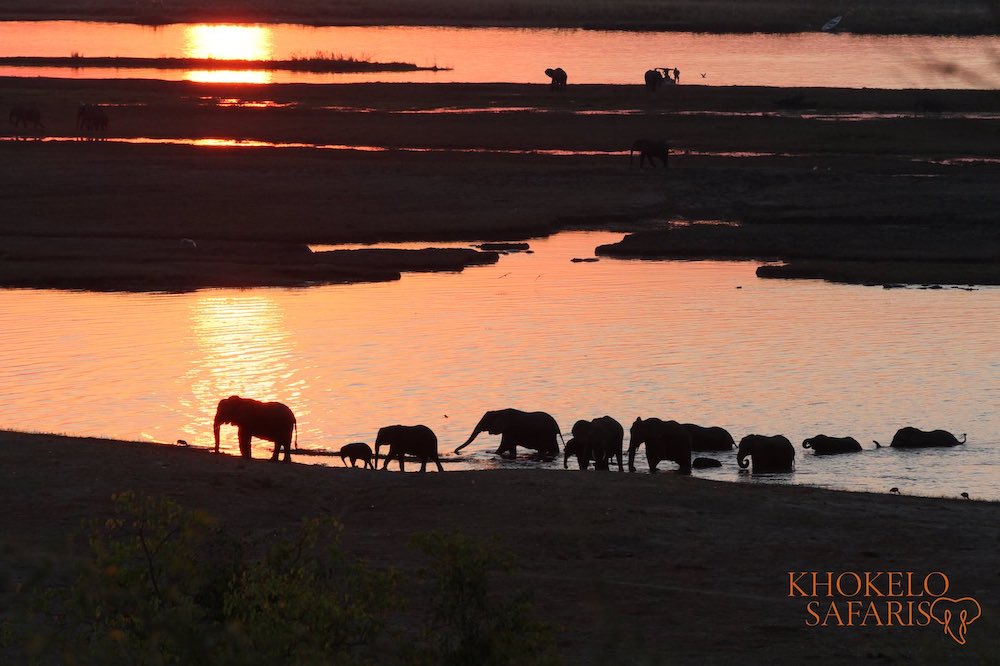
(621, 564)
(830, 169)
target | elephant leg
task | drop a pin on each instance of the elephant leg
(437, 462)
(386, 463)
(401, 456)
(423, 464)
(288, 452)
(620, 467)
(244, 437)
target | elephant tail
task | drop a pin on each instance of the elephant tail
(295, 428)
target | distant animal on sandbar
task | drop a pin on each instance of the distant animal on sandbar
(357, 451)
(914, 438)
(532, 430)
(272, 421)
(558, 76)
(418, 441)
(91, 118)
(654, 78)
(598, 441)
(769, 454)
(22, 115)
(649, 149)
(664, 440)
(823, 445)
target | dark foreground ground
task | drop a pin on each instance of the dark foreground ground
(631, 568)
(868, 186)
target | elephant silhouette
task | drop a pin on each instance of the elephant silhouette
(664, 440)
(91, 118)
(271, 421)
(599, 440)
(23, 115)
(558, 76)
(769, 454)
(532, 430)
(709, 438)
(357, 451)
(418, 441)
(914, 438)
(649, 149)
(823, 445)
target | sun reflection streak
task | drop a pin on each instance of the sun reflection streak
(245, 350)
(228, 42)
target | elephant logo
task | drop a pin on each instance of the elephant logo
(956, 615)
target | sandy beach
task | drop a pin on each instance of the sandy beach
(630, 568)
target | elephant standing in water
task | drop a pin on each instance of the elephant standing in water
(272, 421)
(823, 445)
(23, 115)
(914, 438)
(769, 454)
(532, 430)
(712, 438)
(418, 441)
(91, 118)
(665, 440)
(357, 451)
(599, 441)
(558, 76)
(649, 149)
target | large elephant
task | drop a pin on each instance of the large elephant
(769, 454)
(272, 421)
(664, 440)
(558, 76)
(91, 118)
(649, 149)
(599, 441)
(654, 79)
(709, 438)
(823, 445)
(914, 438)
(532, 430)
(22, 115)
(418, 441)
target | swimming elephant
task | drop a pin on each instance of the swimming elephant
(558, 76)
(710, 438)
(357, 451)
(823, 445)
(272, 421)
(599, 441)
(914, 438)
(418, 441)
(664, 440)
(705, 463)
(26, 114)
(649, 149)
(532, 430)
(769, 454)
(91, 118)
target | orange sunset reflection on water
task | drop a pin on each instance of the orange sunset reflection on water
(228, 42)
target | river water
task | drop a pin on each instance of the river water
(704, 342)
(521, 55)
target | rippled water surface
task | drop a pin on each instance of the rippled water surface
(521, 55)
(704, 342)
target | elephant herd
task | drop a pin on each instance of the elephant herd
(599, 441)
(91, 119)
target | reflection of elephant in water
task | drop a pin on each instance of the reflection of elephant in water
(91, 118)
(826, 446)
(649, 149)
(272, 421)
(418, 441)
(532, 430)
(558, 76)
(599, 441)
(24, 114)
(769, 454)
(711, 438)
(665, 440)
(914, 438)
(357, 451)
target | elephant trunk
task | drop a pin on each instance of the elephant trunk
(742, 460)
(475, 433)
(807, 444)
(215, 429)
(632, 447)
(963, 438)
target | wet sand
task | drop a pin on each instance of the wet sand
(631, 568)
(375, 162)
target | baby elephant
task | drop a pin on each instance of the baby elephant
(827, 446)
(357, 451)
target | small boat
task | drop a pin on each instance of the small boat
(832, 23)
